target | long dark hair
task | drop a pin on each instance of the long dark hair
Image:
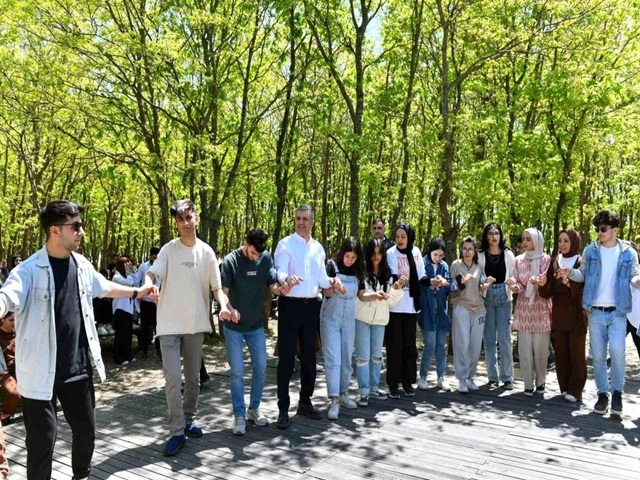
(484, 247)
(350, 244)
(384, 272)
(120, 265)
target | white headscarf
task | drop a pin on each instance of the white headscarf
(534, 256)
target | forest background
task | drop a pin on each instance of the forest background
(445, 114)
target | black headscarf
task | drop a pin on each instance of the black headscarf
(414, 287)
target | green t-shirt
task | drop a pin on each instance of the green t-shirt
(247, 282)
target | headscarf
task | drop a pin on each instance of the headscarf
(574, 238)
(414, 287)
(534, 256)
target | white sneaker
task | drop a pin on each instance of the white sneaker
(472, 385)
(570, 398)
(102, 331)
(110, 330)
(347, 402)
(462, 387)
(319, 368)
(443, 384)
(255, 415)
(334, 409)
(422, 383)
(239, 426)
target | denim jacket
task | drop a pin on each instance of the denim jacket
(30, 293)
(628, 271)
(433, 314)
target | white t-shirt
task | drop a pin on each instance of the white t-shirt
(188, 275)
(606, 293)
(399, 266)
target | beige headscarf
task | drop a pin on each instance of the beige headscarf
(534, 256)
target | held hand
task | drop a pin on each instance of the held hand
(397, 286)
(285, 288)
(382, 295)
(533, 279)
(484, 287)
(466, 278)
(293, 280)
(225, 314)
(235, 315)
(490, 281)
(542, 280)
(509, 282)
(563, 274)
(151, 291)
(403, 280)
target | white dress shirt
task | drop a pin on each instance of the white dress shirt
(295, 256)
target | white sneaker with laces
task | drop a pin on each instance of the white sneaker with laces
(347, 402)
(423, 384)
(443, 384)
(255, 415)
(462, 387)
(472, 385)
(570, 398)
(239, 426)
(334, 409)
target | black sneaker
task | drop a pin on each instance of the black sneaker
(309, 411)
(394, 392)
(492, 384)
(409, 391)
(508, 385)
(540, 388)
(616, 403)
(602, 405)
(283, 421)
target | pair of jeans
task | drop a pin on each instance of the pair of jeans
(298, 319)
(608, 328)
(497, 331)
(434, 342)
(369, 340)
(256, 342)
(182, 409)
(77, 400)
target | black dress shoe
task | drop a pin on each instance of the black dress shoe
(283, 421)
(308, 410)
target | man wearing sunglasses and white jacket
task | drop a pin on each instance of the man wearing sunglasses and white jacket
(56, 339)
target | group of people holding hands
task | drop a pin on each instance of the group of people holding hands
(362, 299)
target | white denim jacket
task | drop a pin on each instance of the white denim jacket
(30, 293)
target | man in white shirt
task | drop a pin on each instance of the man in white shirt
(300, 266)
(607, 269)
(188, 270)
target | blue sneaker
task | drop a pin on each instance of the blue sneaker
(193, 431)
(174, 445)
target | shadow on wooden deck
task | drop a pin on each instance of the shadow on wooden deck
(434, 435)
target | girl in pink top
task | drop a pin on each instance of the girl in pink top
(532, 316)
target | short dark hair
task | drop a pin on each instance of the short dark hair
(154, 251)
(377, 220)
(58, 212)
(436, 244)
(606, 217)
(180, 207)
(257, 239)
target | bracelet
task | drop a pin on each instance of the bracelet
(135, 294)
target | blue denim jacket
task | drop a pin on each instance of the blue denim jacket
(433, 303)
(628, 271)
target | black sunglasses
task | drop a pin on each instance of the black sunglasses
(77, 226)
(602, 228)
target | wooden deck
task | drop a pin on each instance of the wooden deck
(490, 434)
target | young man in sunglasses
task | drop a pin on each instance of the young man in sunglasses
(51, 294)
(608, 267)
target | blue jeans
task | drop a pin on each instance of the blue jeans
(497, 330)
(369, 339)
(235, 356)
(433, 342)
(338, 336)
(608, 328)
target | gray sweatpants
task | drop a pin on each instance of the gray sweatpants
(182, 409)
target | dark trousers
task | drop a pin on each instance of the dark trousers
(297, 320)
(402, 354)
(78, 403)
(571, 362)
(634, 335)
(123, 325)
(148, 323)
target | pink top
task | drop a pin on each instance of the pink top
(534, 317)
